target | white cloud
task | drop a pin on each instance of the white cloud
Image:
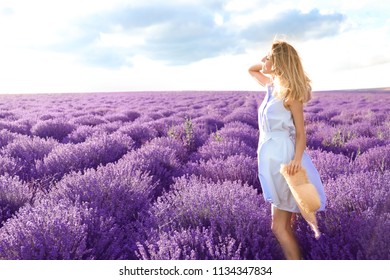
(119, 40)
(218, 19)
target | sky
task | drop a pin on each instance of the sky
(50, 46)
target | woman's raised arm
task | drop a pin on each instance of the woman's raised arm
(260, 77)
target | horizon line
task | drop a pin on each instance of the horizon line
(361, 90)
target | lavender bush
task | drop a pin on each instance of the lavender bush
(173, 175)
(33, 233)
(26, 151)
(13, 195)
(140, 133)
(233, 168)
(97, 150)
(159, 159)
(117, 192)
(228, 208)
(57, 129)
(6, 137)
(188, 244)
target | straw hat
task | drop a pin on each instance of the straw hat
(305, 194)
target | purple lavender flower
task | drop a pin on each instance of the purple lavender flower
(6, 137)
(240, 131)
(188, 244)
(13, 195)
(57, 129)
(355, 147)
(20, 126)
(220, 169)
(224, 148)
(375, 159)
(25, 151)
(139, 133)
(90, 120)
(330, 165)
(162, 163)
(244, 115)
(80, 134)
(227, 208)
(49, 230)
(99, 149)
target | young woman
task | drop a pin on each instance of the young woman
(283, 138)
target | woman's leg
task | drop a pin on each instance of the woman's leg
(282, 228)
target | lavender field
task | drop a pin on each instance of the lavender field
(174, 176)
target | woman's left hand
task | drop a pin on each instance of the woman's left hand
(293, 167)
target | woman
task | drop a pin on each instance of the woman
(283, 138)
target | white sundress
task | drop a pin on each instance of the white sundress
(277, 146)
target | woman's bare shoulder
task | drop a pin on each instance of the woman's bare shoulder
(292, 104)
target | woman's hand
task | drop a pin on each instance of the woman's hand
(293, 167)
(256, 72)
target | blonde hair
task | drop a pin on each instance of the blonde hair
(291, 80)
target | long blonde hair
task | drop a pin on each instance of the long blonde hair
(290, 78)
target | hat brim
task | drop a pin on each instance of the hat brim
(305, 195)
